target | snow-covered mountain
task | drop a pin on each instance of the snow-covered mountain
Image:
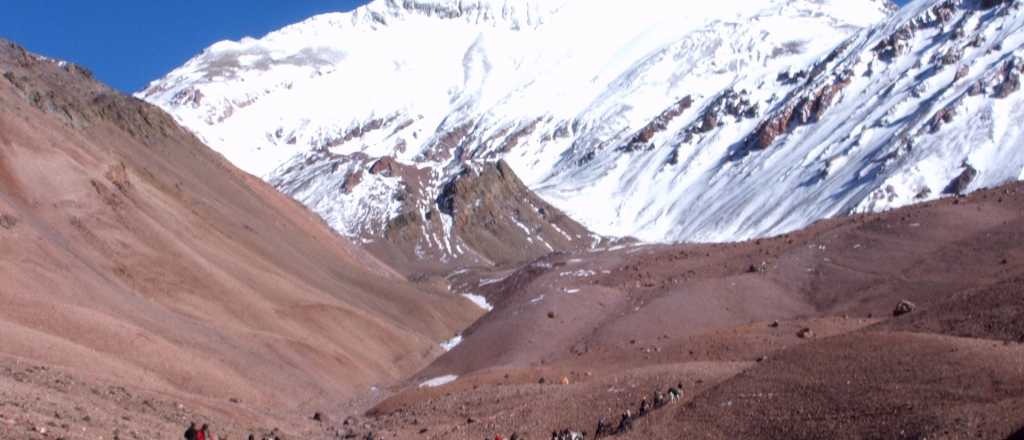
(659, 119)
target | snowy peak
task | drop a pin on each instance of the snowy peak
(515, 13)
(711, 121)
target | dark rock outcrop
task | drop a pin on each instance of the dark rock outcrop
(641, 140)
(960, 184)
(499, 218)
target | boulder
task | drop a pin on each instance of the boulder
(903, 308)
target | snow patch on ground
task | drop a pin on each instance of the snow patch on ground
(451, 343)
(439, 381)
(489, 281)
(479, 300)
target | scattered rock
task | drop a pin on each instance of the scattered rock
(774, 324)
(542, 381)
(551, 315)
(8, 221)
(805, 333)
(318, 417)
(565, 380)
(903, 308)
(758, 268)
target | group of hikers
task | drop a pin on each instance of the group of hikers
(660, 399)
(193, 433)
(606, 429)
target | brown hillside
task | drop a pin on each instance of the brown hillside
(132, 254)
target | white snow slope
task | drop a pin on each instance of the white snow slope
(660, 119)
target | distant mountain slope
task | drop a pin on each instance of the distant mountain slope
(132, 252)
(618, 114)
(795, 336)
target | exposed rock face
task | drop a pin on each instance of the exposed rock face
(808, 109)
(482, 215)
(960, 184)
(641, 140)
(1008, 79)
(495, 214)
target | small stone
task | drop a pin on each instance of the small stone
(774, 324)
(805, 333)
(8, 221)
(903, 308)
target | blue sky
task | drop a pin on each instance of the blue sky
(128, 43)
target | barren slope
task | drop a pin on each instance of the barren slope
(724, 321)
(132, 254)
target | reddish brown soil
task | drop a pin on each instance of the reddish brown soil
(648, 317)
(132, 256)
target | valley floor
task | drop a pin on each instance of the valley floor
(788, 337)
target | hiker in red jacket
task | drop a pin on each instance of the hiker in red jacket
(204, 433)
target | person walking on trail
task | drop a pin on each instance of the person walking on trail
(675, 393)
(203, 433)
(626, 424)
(603, 428)
(191, 433)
